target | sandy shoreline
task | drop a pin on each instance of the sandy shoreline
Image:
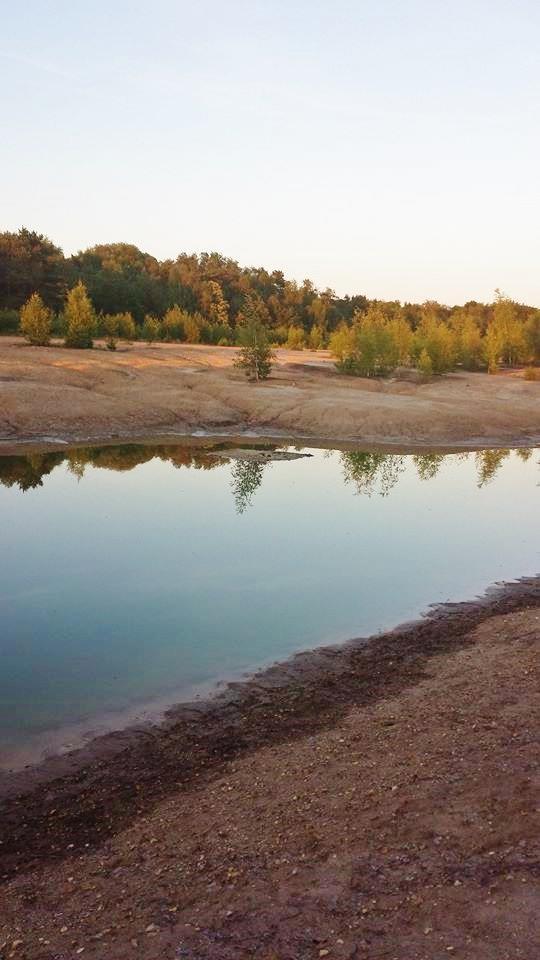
(331, 802)
(51, 396)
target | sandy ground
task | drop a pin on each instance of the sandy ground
(178, 389)
(385, 807)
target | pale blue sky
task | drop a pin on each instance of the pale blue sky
(383, 147)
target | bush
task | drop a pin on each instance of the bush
(531, 373)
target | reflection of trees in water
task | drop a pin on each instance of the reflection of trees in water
(379, 472)
(28, 472)
(487, 464)
(246, 478)
(427, 464)
(369, 472)
(372, 472)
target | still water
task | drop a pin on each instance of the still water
(137, 573)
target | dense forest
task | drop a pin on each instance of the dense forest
(115, 290)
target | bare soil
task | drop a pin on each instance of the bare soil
(177, 389)
(375, 800)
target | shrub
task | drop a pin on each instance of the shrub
(531, 373)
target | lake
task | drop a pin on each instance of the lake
(137, 575)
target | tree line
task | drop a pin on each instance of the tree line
(116, 291)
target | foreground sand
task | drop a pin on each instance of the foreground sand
(376, 802)
(173, 389)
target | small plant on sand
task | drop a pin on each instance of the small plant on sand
(531, 373)
(255, 356)
(36, 321)
(80, 318)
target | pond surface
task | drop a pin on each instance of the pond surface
(133, 574)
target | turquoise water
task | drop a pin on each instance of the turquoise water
(136, 573)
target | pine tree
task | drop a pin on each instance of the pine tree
(80, 318)
(36, 321)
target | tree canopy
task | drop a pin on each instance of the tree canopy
(210, 298)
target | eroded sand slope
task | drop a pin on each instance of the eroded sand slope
(179, 388)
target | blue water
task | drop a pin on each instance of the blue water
(124, 581)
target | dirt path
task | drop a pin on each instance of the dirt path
(376, 801)
(173, 389)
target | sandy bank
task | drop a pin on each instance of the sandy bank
(178, 389)
(373, 800)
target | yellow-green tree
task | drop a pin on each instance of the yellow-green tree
(192, 323)
(151, 328)
(505, 336)
(532, 336)
(214, 303)
(316, 337)
(36, 321)
(79, 317)
(173, 324)
(296, 338)
(126, 327)
(425, 363)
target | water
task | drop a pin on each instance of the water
(135, 573)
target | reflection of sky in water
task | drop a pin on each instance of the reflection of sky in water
(119, 586)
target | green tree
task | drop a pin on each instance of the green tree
(80, 318)
(111, 329)
(532, 336)
(30, 263)
(36, 321)
(255, 356)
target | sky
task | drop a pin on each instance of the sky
(389, 148)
